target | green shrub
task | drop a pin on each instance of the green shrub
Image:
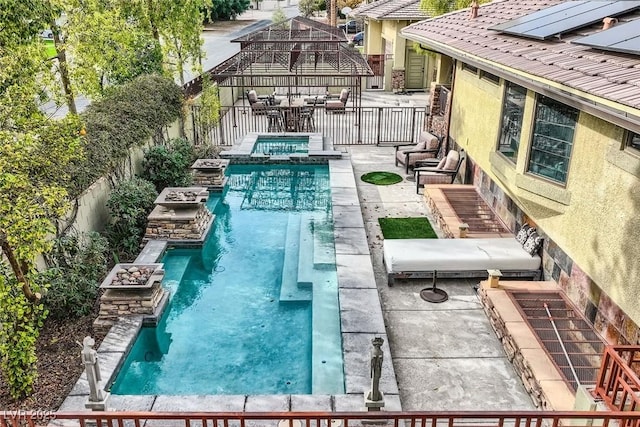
(168, 165)
(78, 265)
(128, 116)
(129, 205)
(207, 151)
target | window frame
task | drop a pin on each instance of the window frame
(539, 99)
(469, 68)
(505, 99)
(491, 78)
(628, 145)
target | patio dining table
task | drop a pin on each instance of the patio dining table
(291, 112)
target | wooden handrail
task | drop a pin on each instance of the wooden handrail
(618, 384)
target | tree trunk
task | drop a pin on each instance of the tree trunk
(64, 67)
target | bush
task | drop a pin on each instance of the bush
(78, 265)
(127, 117)
(207, 151)
(129, 205)
(168, 165)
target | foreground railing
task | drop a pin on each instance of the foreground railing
(356, 125)
(322, 419)
(618, 384)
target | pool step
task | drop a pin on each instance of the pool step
(290, 289)
(306, 275)
(175, 266)
(324, 254)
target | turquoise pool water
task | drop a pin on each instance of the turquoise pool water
(281, 145)
(255, 311)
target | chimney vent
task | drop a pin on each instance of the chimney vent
(474, 9)
(609, 22)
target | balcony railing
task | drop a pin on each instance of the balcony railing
(320, 419)
(618, 384)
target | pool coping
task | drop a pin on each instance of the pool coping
(361, 320)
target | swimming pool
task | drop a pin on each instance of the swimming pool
(255, 310)
(281, 145)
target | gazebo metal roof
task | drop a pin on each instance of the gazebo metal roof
(298, 53)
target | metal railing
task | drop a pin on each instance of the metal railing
(618, 384)
(321, 419)
(353, 126)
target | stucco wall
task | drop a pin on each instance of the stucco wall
(592, 220)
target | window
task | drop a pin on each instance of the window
(469, 68)
(632, 142)
(490, 77)
(512, 110)
(552, 139)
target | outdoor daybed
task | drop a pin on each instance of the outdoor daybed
(469, 258)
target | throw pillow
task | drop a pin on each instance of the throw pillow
(420, 146)
(523, 234)
(533, 244)
(451, 160)
(432, 142)
(531, 230)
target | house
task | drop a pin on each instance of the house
(549, 115)
(397, 65)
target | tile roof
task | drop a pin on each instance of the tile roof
(408, 10)
(609, 75)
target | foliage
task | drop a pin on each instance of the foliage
(224, 10)
(341, 4)
(106, 47)
(129, 205)
(125, 118)
(307, 7)
(20, 21)
(206, 151)
(278, 16)
(209, 101)
(21, 321)
(181, 30)
(440, 7)
(78, 263)
(168, 165)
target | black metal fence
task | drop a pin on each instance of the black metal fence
(354, 126)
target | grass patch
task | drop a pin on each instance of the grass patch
(407, 228)
(381, 178)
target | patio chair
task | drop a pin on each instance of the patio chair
(307, 122)
(258, 106)
(427, 147)
(275, 119)
(338, 106)
(444, 172)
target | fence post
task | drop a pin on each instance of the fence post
(379, 125)
(222, 142)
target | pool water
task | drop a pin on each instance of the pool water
(255, 310)
(281, 145)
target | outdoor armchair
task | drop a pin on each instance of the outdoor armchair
(338, 106)
(427, 147)
(444, 172)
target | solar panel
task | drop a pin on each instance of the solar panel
(564, 17)
(623, 38)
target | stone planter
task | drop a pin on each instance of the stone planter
(210, 173)
(133, 276)
(182, 197)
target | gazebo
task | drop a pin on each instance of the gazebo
(298, 57)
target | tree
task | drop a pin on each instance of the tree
(35, 154)
(223, 10)
(307, 7)
(278, 16)
(440, 7)
(107, 48)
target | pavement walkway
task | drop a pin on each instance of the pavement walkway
(446, 356)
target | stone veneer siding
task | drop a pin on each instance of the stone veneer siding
(605, 315)
(115, 303)
(183, 225)
(397, 79)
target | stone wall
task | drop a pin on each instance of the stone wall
(180, 225)
(115, 303)
(608, 318)
(212, 180)
(397, 80)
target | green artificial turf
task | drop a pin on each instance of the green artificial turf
(406, 228)
(381, 178)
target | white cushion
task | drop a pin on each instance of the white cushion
(430, 140)
(441, 163)
(415, 255)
